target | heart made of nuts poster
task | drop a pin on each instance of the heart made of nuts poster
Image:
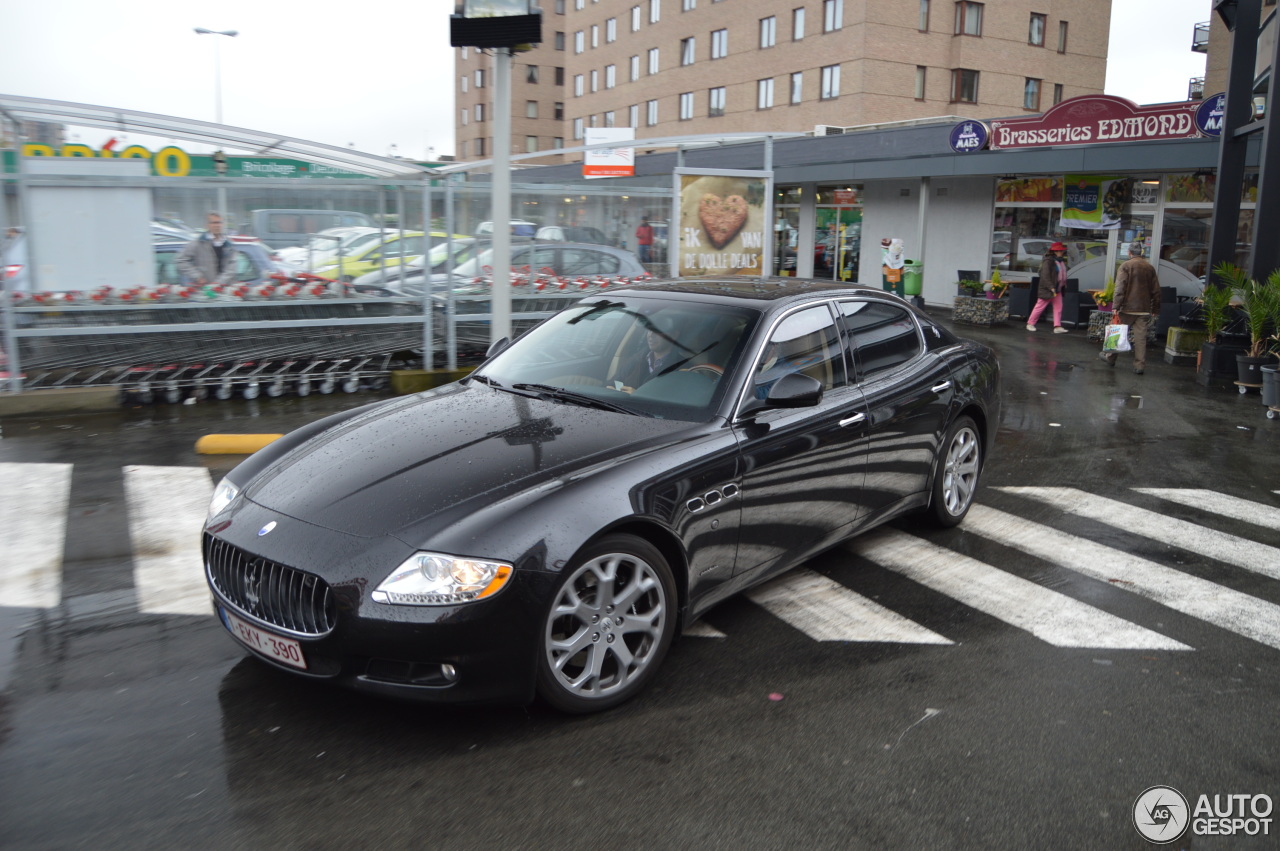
(722, 218)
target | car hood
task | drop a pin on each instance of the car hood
(425, 462)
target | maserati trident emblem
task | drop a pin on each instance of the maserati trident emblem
(266, 529)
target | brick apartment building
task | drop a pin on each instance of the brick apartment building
(690, 67)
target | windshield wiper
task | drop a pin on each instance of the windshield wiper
(487, 380)
(560, 393)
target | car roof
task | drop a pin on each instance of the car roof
(751, 289)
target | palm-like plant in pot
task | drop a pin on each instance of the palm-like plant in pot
(1260, 305)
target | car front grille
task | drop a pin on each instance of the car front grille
(291, 599)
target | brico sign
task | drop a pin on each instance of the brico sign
(166, 162)
(175, 162)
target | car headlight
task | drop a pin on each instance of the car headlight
(223, 495)
(431, 579)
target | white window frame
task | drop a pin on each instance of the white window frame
(688, 51)
(686, 106)
(832, 15)
(579, 85)
(830, 89)
(764, 93)
(719, 43)
(797, 23)
(716, 98)
(611, 31)
(768, 32)
(655, 11)
(577, 129)
(579, 41)
(635, 67)
(651, 113)
(654, 65)
(635, 19)
(633, 115)
(610, 76)
(797, 87)
(595, 80)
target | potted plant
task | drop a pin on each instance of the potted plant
(1259, 303)
(969, 288)
(1104, 298)
(1217, 353)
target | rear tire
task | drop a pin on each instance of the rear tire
(956, 471)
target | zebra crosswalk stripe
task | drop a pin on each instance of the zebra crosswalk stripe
(825, 610)
(1049, 615)
(167, 507)
(1212, 543)
(1191, 595)
(33, 515)
(1219, 503)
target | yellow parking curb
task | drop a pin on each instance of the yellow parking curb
(233, 444)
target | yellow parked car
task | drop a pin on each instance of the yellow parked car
(392, 250)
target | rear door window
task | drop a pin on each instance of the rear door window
(882, 337)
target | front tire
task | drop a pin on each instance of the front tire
(955, 478)
(610, 622)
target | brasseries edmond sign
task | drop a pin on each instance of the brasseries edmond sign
(1091, 119)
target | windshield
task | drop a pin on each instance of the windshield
(658, 357)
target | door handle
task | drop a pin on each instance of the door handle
(856, 418)
(938, 388)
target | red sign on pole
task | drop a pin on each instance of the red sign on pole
(1094, 119)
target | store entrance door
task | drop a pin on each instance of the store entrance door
(837, 243)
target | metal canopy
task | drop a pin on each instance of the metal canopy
(255, 142)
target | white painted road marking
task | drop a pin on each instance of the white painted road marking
(1049, 615)
(33, 515)
(825, 610)
(167, 507)
(1191, 595)
(1215, 544)
(1221, 504)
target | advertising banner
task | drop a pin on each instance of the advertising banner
(1094, 202)
(723, 222)
(1092, 119)
(609, 162)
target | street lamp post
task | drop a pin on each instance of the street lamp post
(217, 108)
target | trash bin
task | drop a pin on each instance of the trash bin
(892, 279)
(912, 277)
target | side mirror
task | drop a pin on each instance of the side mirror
(794, 390)
(497, 346)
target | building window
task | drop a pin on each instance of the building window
(557, 111)
(964, 86)
(577, 128)
(797, 24)
(653, 60)
(464, 52)
(479, 78)
(1031, 94)
(466, 116)
(595, 36)
(559, 7)
(1062, 36)
(768, 32)
(719, 44)
(579, 41)
(462, 150)
(635, 19)
(465, 81)
(633, 115)
(832, 15)
(579, 5)
(920, 75)
(480, 147)
(797, 87)
(531, 74)
(559, 41)
(764, 94)
(968, 18)
(531, 109)
(557, 143)
(1035, 35)
(651, 113)
(830, 82)
(609, 119)
(595, 80)
(688, 52)
(479, 112)
(530, 144)
(611, 30)
(715, 101)
(686, 106)
(1057, 93)
(690, 5)
(655, 11)
(924, 16)
(635, 68)
(610, 76)
(579, 85)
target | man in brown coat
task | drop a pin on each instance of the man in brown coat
(1137, 298)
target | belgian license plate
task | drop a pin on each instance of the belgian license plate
(284, 650)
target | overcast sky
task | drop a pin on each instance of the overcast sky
(377, 73)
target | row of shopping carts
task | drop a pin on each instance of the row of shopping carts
(175, 346)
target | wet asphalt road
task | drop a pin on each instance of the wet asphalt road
(127, 730)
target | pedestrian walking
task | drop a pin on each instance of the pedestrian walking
(210, 258)
(644, 240)
(1137, 297)
(1053, 278)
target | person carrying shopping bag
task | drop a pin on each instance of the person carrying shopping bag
(1136, 299)
(1053, 278)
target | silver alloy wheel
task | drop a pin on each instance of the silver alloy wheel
(606, 625)
(960, 470)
